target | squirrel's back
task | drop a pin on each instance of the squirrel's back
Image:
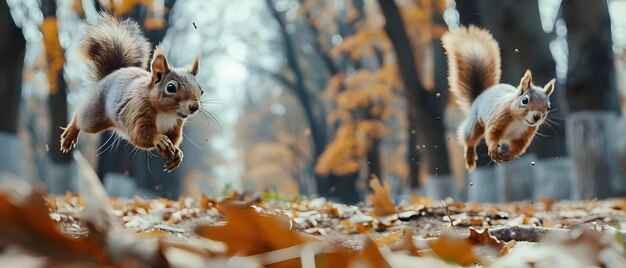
(473, 63)
(111, 44)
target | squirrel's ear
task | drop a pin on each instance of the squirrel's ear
(159, 64)
(549, 87)
(194, 68)
(526, 80)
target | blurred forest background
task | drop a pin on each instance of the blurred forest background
(320, 96)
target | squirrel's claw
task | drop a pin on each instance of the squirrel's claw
(166, 147)
(496, 154)
(174, 162)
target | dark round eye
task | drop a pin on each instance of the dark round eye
(170, 88)
(524, 100)
(201, 92)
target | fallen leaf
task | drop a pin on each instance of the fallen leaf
(547, 203)
(381, 199)
(248, 232)
(484, 239)
(454, 250)
(389, 238)
(27, 224)
(372, 255)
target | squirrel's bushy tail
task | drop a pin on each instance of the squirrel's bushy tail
(473, 63)
(111, 44)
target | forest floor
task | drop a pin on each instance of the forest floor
(244, 230)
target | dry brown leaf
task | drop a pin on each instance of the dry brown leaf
(454, 250)
(372, 255)
(381, 199)
(407, 244)
(28, 225)
(484, 239)
(547, 202)
(418, 199)
(389, 238)
(248, 232)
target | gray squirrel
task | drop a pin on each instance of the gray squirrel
(147, 108)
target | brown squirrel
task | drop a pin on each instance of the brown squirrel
(147, 108)
(507, 116)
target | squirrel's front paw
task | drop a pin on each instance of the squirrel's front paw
(173, 163)
(495, 154)
(166, 147)
(69, 139)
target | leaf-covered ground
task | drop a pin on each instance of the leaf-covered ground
(251, 231)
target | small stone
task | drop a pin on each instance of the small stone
(532, 163)
(516, 50)
(437, 94)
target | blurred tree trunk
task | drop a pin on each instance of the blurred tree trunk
(60, 175)
(422, 105)
(595, 130)
(315, 116)
(12, 58)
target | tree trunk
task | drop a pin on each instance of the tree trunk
(12, 58)
(316, 120)
(595, 139)
(61, 173)
(421, 104)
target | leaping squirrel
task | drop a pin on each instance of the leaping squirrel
(147, 108)
(506, 115)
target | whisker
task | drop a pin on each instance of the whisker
(105, 143)
(148, 164)
(218, 123)
(190, 140)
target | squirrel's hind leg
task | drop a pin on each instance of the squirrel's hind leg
(470, 133)
(69, 137)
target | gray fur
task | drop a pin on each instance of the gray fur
(110, 44)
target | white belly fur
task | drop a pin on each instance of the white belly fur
(165, 122)
(514, 131)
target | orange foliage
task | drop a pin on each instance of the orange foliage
(363, 99)
(54, 52)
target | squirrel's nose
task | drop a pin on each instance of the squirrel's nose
(536, 117)
(193, 108)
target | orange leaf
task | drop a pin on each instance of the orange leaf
(455, 250)
(381, 199)
(28, 225)
(484, 238)
(250, 233)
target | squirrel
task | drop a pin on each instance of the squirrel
(146, 108)
(507, 116)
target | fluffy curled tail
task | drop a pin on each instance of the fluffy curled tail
(473, 61)
(111, 44)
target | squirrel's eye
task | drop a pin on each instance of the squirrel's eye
(170, 88)
(524, 100)
(201, 92)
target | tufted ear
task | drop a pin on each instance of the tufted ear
(549, 87)
(195, 67)
(159, 66)
(526, 81)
